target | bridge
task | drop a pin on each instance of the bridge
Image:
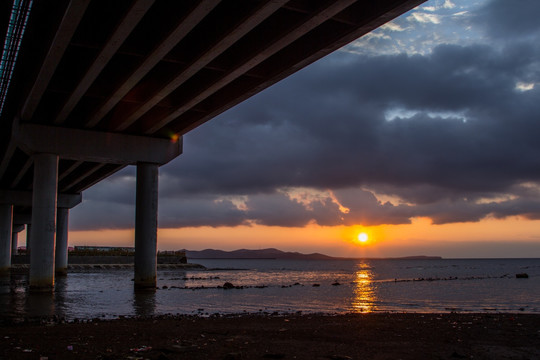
(88, 87)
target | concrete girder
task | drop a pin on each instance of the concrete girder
(159, 52)
(323, 14)
(70, 21)
(123, 30)
(24, 198)
(259, 15)
(96, 146)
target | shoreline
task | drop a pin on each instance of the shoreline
(23, 268)
(274, 336)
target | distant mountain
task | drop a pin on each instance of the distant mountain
(274, 254)
(253, 254)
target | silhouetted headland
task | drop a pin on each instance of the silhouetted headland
(272, 253)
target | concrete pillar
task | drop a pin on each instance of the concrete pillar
(15, 237)
(61, 254)
(146, 225)
(6, 226)
(14, 243)
(43, 222)
(28, 232)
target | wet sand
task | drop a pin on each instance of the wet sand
(354, 336)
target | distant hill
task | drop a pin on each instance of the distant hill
(253, 254)
(273, 254)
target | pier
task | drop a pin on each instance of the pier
(88, 87)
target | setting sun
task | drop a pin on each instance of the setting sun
(362, 237)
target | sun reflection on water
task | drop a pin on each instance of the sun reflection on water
(364, 293)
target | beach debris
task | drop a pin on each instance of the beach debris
(27, 350)
(70, 347)
(142, 348)
(228, 285)
(522, 276)
(340, 357)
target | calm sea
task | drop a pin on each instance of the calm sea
(486, 285)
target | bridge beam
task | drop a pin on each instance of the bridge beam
(146, 225)
(43, 222)
(6, 221)
(24, 198)
(96, 146)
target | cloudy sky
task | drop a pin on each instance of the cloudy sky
(424, 134)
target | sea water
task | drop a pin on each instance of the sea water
(287, 286)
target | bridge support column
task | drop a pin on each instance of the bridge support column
(15, 238)
(28, 233)
(14, 243)
(6, 223)
(146, 225)
(61, 253)
(43, 222)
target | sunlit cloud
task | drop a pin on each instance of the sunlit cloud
(523, 86)
(461, 13)
(392, 26)
(497, 199)
(239, 201)
(425, 18)
(310, 196)
(398, 113)
(448, 4)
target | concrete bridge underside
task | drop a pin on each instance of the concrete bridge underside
(88, 87)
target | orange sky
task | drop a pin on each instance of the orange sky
(513, 237)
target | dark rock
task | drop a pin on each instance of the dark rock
(228, 285)
(316, 285)
(522, 276)
(336, 284)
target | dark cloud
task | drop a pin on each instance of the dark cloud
(439, 131)
(505, 18)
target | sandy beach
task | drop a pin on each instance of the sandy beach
(266, 336)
